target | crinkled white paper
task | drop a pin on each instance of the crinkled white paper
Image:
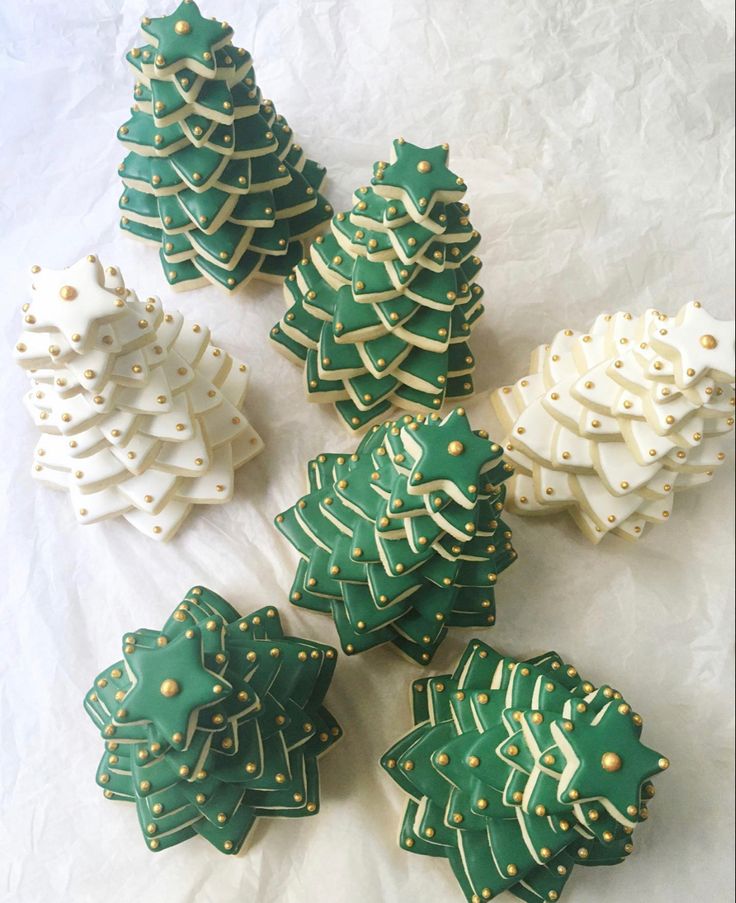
(596, 139)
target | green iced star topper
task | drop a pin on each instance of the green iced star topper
(419, 176)
(450, 457)
(185, 37)
(170, 685)
(606, 760)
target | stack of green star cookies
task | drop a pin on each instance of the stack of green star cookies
(404, 538)
(213, 722)
(518, 772)
(381, 313)
(213, 176)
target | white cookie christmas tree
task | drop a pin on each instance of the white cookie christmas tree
(608, 424)
(140, 412)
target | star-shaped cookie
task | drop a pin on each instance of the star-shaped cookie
(419, 177)
(73, 301)
(449, 457)
(170, 685)
(696, 343)
(185, 39)
(607, 761)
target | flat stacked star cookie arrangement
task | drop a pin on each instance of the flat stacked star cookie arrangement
(140, 412)
(520, 771)
(212, 722)
(381, 312)
(610, 423)
(403, 539)
(213, 176)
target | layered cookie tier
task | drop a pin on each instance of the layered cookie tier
(213, 176)
(610, 423)
(212, 722)
(140, 412)
(380, 313)
(519, 771)
(403, 539)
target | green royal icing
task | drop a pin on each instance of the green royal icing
(403, 266)
(212, 722)
(404, 538)
(518, 771)
(209, 159)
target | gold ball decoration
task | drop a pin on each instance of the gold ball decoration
(709, 341)
(67, 293)
(455, 448)
(424, 166)
(611, 762)
(169, 688)
(182, 27)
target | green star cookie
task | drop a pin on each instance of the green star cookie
(170, 682)
(419, 177)
(186, 38)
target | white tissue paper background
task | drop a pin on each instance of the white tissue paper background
(596, 140)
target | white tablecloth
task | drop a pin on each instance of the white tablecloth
(596, 141)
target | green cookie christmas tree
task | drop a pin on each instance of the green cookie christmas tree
(213, 176)
(404, 538)
(212, 722)
(519, 771)
(381, 314)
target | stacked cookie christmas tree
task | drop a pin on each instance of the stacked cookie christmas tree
(212, 722)
(403, 539)
(140, 412)
(381, 313)
(610, 423)
(520, 771)
(213, 176)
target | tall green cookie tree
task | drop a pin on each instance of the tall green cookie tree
(213, 176)
(404, 538)
(381, 314)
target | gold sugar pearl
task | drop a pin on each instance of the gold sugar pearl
(611, 762)
(169, 687)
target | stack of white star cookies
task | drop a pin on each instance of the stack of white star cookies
(608, 424)
(140, 412)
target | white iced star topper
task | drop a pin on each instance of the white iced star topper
(696, 343)
(73, 301)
